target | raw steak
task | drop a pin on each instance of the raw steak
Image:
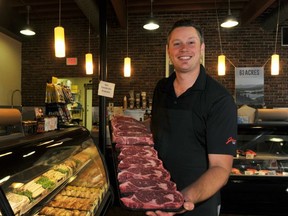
(134, 185)
(127, 130)
(125, 121)
(149, 200)
(143, 173)
(122, 129)
(132, 133)
(138, 144)
(144, 162)
(132, 140)
(138, 151)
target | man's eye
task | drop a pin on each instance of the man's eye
(176, 44)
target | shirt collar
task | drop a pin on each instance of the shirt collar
(198, 85)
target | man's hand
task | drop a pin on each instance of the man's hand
(188, 206)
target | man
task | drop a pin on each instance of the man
(194, 125)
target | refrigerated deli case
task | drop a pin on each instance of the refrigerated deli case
(258, 184)
(55, 173)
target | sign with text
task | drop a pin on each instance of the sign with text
(106, 89)
(71, 61)
(249, 85)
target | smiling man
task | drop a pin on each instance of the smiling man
(194, 125)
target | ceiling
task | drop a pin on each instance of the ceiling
(245, 10)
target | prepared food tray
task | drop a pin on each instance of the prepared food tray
(51, 211)
(82, 195)
(23, 196)
(143, 183)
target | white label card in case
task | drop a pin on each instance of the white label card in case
(106, 89)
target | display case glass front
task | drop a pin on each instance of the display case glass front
(262, 151)
(58, 173)
(258, 184)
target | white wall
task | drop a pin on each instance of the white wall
(10, 70)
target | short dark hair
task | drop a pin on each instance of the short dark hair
(186, 23)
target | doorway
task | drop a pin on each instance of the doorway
(88, 106)
(81, 109)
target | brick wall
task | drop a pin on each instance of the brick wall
(247, 46)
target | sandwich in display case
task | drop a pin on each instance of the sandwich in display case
(55, 173)
(258, 184)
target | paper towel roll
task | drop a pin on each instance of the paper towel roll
(10, 117)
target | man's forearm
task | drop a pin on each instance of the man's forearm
(207, 185)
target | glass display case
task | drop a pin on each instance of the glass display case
(258, 183)
(55, 173)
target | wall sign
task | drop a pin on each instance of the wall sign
(71, 61)
(249, 85)
(106, 89)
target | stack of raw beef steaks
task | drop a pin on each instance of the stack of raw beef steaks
(144, 183)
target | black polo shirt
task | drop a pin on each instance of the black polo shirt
(201, 121)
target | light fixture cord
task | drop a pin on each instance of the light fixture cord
(59, 12)
(151, 8)
(28, 10)
(229, 9)
(277, 26)
(230, 62)
(219, 34)
(127, 27)
(89, 32)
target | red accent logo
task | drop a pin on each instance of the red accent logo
(230, 140)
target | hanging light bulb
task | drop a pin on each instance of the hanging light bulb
(275, 64)
(275, 57)
(127, 67)
(221, 65)
(127, 60)
(89, 63)
(88, 56)
(230, 20)
(221, 58)
(59, 37)
(151, 23)
(28, 30)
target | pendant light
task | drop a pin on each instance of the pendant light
(221, 58)
(88, 56)
(221, 65)
(28, 30)
(151, 23)
(127, 60)
(230, 20)
(59, 37)
(275, 57)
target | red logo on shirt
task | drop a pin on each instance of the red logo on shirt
(230, 140)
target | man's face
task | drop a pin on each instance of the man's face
(185, 49)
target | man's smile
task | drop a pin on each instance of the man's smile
(185, 57)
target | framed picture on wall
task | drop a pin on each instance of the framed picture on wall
(284, 36)
(249, 85)
(169, 66)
